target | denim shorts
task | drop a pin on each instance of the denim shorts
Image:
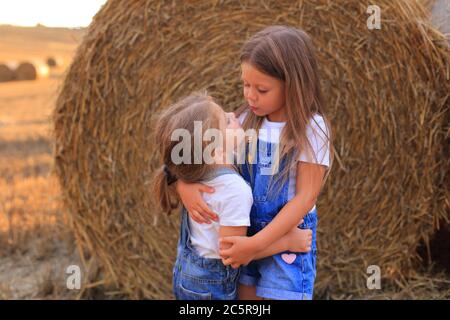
(284, 276)
(197, 278)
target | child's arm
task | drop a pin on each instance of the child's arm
(309, 183)
(296, 240)
(234, 205)
(225, 231)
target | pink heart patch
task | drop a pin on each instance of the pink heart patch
(289, 258)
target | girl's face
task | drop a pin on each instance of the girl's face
(229, 125)
(227, 120)
(263, 93)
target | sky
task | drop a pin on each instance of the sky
(51, 13)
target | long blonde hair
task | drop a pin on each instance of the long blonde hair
(288, 54)
(181, 115)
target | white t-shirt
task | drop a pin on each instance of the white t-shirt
(232, 201)
(315, 133)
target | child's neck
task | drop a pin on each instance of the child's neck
(277, 116)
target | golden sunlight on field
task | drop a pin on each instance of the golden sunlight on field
(36, 244)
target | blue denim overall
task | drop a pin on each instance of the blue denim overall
(199, 278)
(287, 275)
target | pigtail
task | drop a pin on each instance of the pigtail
(162, 192)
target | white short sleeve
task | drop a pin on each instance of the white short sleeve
(317, 133)
(235, 205)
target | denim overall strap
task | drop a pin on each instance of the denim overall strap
(184, 229)
(261, 174)
(286, 275)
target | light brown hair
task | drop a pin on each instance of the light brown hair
(181, 115)
(288, 54)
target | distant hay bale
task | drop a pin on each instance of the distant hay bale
(387, 97)
(6, 74)
(51, 62)
(26, 71)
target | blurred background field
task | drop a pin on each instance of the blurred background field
(36, 244)
(36, 240)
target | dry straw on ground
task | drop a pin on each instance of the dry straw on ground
(387, 95)
(26, 71)
(6, 74)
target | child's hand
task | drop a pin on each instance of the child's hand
(299, 240)
(191, 197)
(240, 253)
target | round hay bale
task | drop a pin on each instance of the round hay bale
(6, 74)
(51, 62)
(26, 71)
(387, 96)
